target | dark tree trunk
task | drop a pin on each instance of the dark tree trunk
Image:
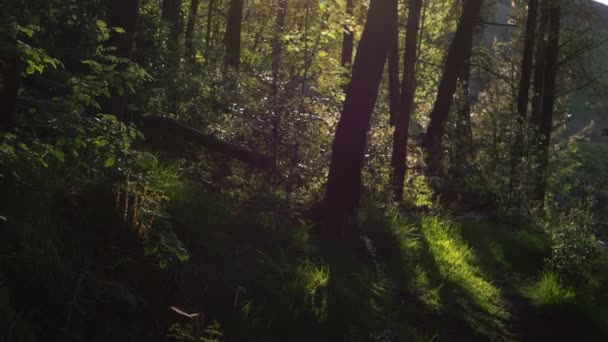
(526, 62)
(464, 130)
(277, 54)
(8, 92)
(393, 70)
(547, 99)
(344, 180)
(540, 61)
(408, 91)
(190, 25)
(124, 14)
(347, 40)
(172, 13)
(210, 11)
(233, 34)
(524, 90)
(454, 64)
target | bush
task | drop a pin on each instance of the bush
(550, 293)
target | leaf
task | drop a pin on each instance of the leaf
(59, 155)
(2, 218)
(110, 162)
(163, 263)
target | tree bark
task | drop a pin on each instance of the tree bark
(190, 25)
(172, 13)
(233, 34)
(344, 180)
(210, 11)
(526, 62)
(348, 39)
(393, 70)
(124, 14)
(8, 92)
(277, 54)
(547, 100)
(524, 90)
(454, 64)
(408, 91)
(540, 61)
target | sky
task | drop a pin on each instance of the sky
(602, 1)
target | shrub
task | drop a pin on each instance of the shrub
(550, 293)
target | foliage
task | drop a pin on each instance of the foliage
(550, 293)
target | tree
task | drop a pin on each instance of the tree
(233, 34)
(455, 62)
(344, 180)
(526, 62)
(190, 26)
(172, 14)
(123, 14)
(347, 40)
(210, 11)
(408, 90)
(277, 59)
(393, 69)
(8, 92)
(550, 17)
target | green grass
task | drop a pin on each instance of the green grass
(550, 293)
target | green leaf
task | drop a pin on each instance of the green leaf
(110, 162)
(59, 155)
(163, 263)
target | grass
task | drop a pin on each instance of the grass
(549, 293)
(265, 275)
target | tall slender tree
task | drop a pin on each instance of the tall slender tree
(393, 70)
(9, 68)
(190, 26)
(454, 64)
(551, 13)
(209, 31)
(344, 180)
(233, 34)
(348, 38)
(277, 60)
(172, 14)
(408, 91)
(124, 14)
(526, 61)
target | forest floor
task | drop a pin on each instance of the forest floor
(264, 274)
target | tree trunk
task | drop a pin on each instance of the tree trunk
(233, 34)
(547, 100)
(347, 40)
(210, 11)
(526, 62)
(408, 91)
(8, 92)
(393, 70)
(523, 92)
(172, 14)
(540, 61)
(190, 25)
(124, 14)
(277, 53)
(454, 64)
(344, 180)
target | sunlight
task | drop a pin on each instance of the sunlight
(605, 2)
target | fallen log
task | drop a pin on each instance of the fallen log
(158, 125)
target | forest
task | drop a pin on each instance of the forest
(303, 170)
